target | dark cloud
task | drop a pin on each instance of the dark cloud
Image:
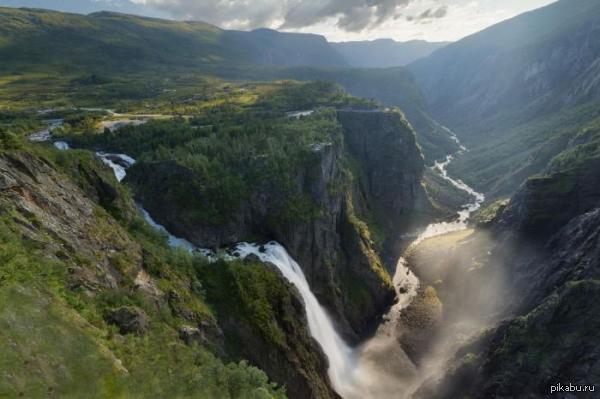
(351, 15)
(429, 14)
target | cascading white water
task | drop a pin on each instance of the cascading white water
(339, 354)
(119, 163)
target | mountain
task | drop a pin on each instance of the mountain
(284, 49)
(337, 185)
(133, 275)
(385, 53)
(113, 41)
(539, 61)
(511, 91)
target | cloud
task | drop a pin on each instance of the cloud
(348, 15)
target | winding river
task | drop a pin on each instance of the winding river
(382, 369)
(376, 369)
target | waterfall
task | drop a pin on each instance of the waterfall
(119, 163)
(339, 354)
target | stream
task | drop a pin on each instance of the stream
(378, 368)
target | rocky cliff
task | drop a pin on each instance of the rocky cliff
(353, 195)
(551, 335)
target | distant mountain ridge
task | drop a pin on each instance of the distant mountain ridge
(385, 53)
(26, 36)
(103, 39)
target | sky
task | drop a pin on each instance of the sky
(338, 20)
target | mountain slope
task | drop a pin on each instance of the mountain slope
(516, 92)
(94, 304)
(385, 53)
(536, 62)
(547, 243)
(393, 87)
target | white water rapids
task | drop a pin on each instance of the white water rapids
(378, 368)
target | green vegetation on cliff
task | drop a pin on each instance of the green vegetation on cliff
(498, 163)
(63, 274)
(229, 149)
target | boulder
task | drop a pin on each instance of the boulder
(129, 319)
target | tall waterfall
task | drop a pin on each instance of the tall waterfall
(340, 355)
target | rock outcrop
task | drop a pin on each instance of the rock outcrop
(59, 215)
(129, 319)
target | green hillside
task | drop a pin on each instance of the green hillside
(69, 267)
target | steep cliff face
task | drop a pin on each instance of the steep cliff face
(364, 180)
(546, 203)
(55, 212)
(392, 87)
(384, 145)
(263, 318)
